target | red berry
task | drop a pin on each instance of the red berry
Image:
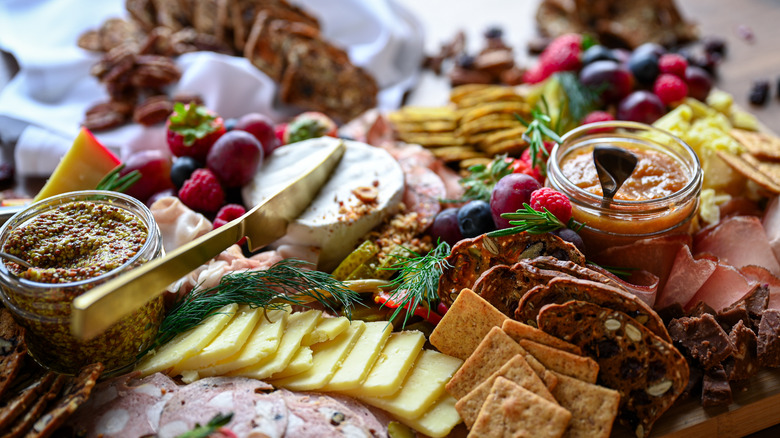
(192, 129)
(670, 88)
(228, 213)
(202, 192)
(556, 202)
(672, 63)
(563, 54)
(597, 116)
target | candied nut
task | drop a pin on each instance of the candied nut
(462, 76)
(105, 116)
(612, 324)
(366, 194)
(153, 110)
(659, 388)
(154, 71)
(633, 333)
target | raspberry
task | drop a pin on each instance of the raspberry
(597, 116)
(228, 213)
(672, 63)
(202, 192)
(556, 202)
(670, 88)
(563, 54)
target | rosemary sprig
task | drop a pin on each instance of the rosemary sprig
(212, 426)
(289, 281)
(581, 99)
(536, 130)
(481, 179)
(112, 181)
(418, 279)
(529, 220)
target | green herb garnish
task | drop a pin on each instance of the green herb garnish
(531, 221)
(536, 130)
(191, 121)
(286, 282)
(113, 182)
(212, 426)
(418, 279)
(482, 178)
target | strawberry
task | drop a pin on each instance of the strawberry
(562, 54)
(310, 124)
(192, 130)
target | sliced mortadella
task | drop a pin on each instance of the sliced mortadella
(739, 241)
(724, 287)
(178, 223)
(687, 276)
(763, 276)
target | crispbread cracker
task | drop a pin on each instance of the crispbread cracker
(593, 408)
(518, 330)
(496, 349)
(516, 370)
(456, 153)
(548, 377)
(465, 324)
(563, 362)
(758, 144)
(511, 410)
(749, 171)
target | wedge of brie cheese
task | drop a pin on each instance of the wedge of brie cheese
(366, 186)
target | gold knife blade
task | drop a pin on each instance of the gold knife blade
(98, 309)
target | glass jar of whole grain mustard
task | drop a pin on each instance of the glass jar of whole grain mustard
(74, 242)
(661, 197)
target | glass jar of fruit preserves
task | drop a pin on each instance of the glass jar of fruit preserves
(660, 197)
(72, 243)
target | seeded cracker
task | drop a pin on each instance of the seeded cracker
(648, 372)
(593, 408)
(762, 146)
(511, 410)
(12, 350)
(749, 171)
(496, 349)
(517, 331)
(27, 420)
(465, 324)
(579, 367)
(14, 407)
(518, 371)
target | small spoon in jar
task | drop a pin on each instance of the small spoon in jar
(15, 259)
(614, 166)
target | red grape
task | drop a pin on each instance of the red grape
(155, 168)
(615, 80)
(509, 194)
(699, 82)
(235, 157)
(445, 226)
(262, 127)
(641, 106)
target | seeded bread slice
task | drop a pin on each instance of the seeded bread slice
(648, 372)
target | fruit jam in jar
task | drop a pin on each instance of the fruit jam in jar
(661, 197)
(74, 242)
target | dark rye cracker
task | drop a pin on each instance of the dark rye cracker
(471, 257)
(12, 350)
(20, 403)
(504, 285)
(561, 290)
(648, 372)
(23, 425)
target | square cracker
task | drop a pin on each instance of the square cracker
(518, 330)
(593, 408)
(496, 349)
(464, 325)
(517, 370)
(580, 367)
(511, 410)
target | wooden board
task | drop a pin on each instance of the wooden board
(754, 409)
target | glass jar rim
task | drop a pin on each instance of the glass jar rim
(593, 200)
(47, 204)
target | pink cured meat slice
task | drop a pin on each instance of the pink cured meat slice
(739, 241)
(771, 223)
(687, 276)
(724, 287)
(762, 276)
(423, 190)
(318, 415)
(124, 407)
(254, 411)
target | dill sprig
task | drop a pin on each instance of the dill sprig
(113, 182)
(289, 281)
(529, 220)
(418, 279)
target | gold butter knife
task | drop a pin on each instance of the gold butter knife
(99, 308)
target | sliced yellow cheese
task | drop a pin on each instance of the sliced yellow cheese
(263, 342)
(187, 344)
(422, 387)
(326, 359)
(327, 329)
(227, 343)
(392, 365)
(362, 357)
(298, 325)
(439, 420)
(301, 362)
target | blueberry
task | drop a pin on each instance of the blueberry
(598, 53)
(654, 48)
(759, 92)
(715, 45)
(494, 32)
(230, 124)
(182, 168)
(465, 61)
(644, 66)
(475, 218)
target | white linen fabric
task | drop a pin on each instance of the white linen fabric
(53, 87)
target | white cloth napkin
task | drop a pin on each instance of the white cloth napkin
(53, 88)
